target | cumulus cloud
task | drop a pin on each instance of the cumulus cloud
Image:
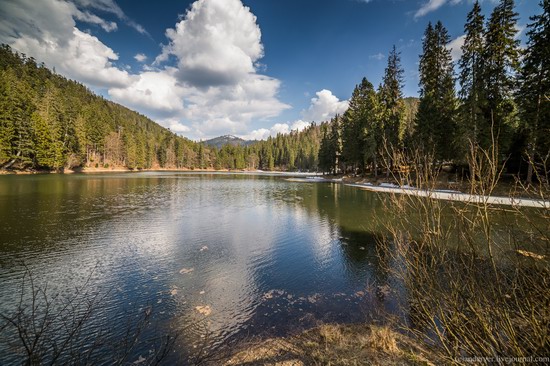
(283, 128)
(324, 107)
(217, 43)
(154, 92)
(456, 47)
(193, 95)
(215, 46)
(46, 30)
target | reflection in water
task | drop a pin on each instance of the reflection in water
(257, 254)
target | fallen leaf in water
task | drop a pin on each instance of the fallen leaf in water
(204, 310)
(525, 253)
(173, 291)
(383, 290)
(186, 270)
(272, 293)
(139, 360)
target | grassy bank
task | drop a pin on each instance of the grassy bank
(332, 344)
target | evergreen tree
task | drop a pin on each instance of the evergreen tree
(436, 117)
(329, 150)
(534, 94)
(48, 130)
(391, 100)
(501, 58)
(472, 87)
(354, 125)
(391, 113)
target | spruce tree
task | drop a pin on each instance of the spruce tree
(391, 99)
(472, 87)
(391, 112)
(354, 125)
(534, 94)
(436, 117)
(501, 58)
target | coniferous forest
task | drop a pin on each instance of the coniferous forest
(496, 97)
(50, 123)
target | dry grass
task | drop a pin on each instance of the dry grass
(332, 344)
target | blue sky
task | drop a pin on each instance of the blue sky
(251, 68)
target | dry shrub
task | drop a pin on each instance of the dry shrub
(470, 290)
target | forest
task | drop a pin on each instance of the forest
(48, 122)
(502, 104)
(497, 98)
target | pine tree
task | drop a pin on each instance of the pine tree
(472, 87)
(534, 94)
(502, 63)
(436, 117)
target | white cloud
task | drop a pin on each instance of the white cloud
(324, 107)
(456, 47)
(109, 6)
(283, 128)
(46, 30)
(433, 5)
(86, 16)
(379, 56)
(217, 43)
(216, 46)
(154, 92)
(216, 38)
(140, 57)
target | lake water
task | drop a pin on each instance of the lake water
(263, 255)
(259, 255)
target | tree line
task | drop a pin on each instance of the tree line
(502, 104)
(48, 122)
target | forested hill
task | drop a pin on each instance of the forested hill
(48, 122)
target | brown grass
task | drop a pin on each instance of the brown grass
(332, 344)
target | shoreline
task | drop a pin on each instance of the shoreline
(91, 170)
(456, 196)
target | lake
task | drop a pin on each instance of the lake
(214, 258)
(262, 256)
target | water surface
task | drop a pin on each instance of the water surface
(262, 255)
(267, 256)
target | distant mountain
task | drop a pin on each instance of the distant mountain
(227, 140)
